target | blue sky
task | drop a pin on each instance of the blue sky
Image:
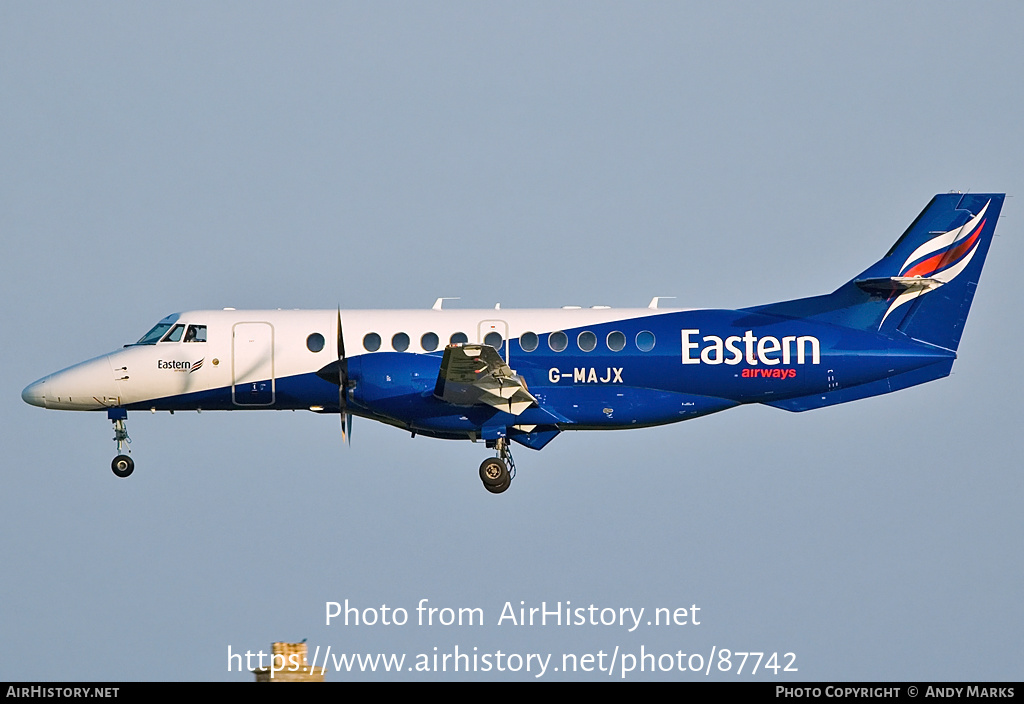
(379, 155)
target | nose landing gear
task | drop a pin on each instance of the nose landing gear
(498, 472)
(122, 465)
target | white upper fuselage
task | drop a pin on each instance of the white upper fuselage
(255, 346)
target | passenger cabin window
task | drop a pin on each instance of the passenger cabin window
(459, 338)
(528, 341)
(558, 341)
(315, 342)
(587, 341)
(429, 341)
(645, 341)
(195, 333)
(616, 341)
(371, 342)
(493, 339)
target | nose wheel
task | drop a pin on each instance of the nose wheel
(122, 465)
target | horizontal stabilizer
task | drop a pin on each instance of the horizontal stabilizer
(895, 285)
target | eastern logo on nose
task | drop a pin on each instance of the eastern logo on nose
(179, 366)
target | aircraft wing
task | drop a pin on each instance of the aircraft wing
(476, 374)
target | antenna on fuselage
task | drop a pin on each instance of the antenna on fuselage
(440, 302)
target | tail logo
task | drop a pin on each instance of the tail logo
(940, 260)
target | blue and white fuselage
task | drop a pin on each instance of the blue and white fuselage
(502, 375)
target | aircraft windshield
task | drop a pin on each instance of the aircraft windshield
(154, 335)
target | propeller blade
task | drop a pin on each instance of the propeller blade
(346, 427)
(346, 418)
(341, 339)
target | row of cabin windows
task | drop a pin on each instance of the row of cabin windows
(528, 341)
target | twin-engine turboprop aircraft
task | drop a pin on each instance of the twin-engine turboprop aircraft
(525, 376)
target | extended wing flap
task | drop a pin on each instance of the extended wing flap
(476, 374)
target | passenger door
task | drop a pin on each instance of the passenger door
(252, 364)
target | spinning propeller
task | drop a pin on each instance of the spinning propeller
(346, 417)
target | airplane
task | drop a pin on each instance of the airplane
(505, 376)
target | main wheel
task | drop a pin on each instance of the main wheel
(500, 487)
(493, 472)
(122, 466)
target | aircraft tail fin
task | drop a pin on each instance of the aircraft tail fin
(923, 287)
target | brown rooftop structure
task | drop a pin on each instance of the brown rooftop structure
(289, 665)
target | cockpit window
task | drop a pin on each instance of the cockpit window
(175, 334)
(154, 335)
(195, 333)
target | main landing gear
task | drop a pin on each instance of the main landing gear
(498, 472)
(122, 465)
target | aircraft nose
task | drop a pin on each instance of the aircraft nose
(35, 393)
